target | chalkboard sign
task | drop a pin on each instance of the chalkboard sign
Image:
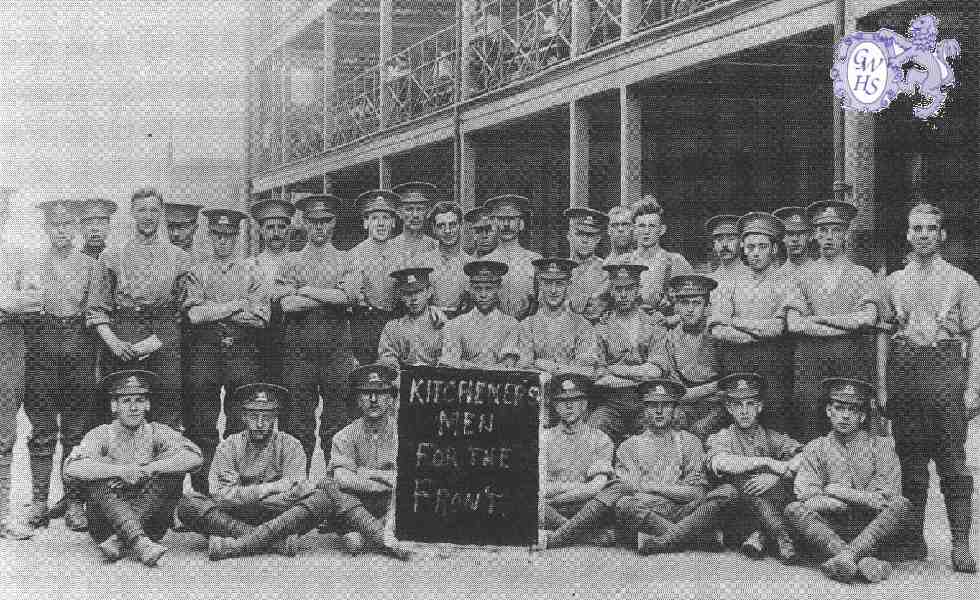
(468, 456)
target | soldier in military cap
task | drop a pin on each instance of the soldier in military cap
(580, 491)
(414, 200)
(723, 230)
(797, 237)
(559, 338)
(227, 308)
(761, 464)
(835, 306)
(95, 217)
(485, 337)
(624, 339)
(484, 236)
(661, 264)
(448, 280)
(136, 293)
(317, 361)
(415, 338)
(274, 217)
(517, 291)
(132, 470)
(588, 280)
(374, 259)
(668, 503)
(60, 366)
(260, 497)
(687, 353)
(620, 231)
(182, 225)
(749, 317)
(363, 454)
(849, 504)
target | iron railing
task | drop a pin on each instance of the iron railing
(356, 110)
(422, 77)
(661, 12)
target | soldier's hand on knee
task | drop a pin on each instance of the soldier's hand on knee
(761, 483)
(124, 351)
(971, 401)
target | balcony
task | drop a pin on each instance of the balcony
(422, 78)
(356, 110)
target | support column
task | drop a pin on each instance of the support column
(384, 173)
(632, 11)
(384, 60)
(630, 146)
(467, 174)
(327, 184)
(329, 77)
(466, 12)
(580, 26)
(578, 153)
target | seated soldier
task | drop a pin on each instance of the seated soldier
(667, 502)
(579, 494)
(260, 497)
(132, 471)
(760, 463)
(416, 337)
(849, 488)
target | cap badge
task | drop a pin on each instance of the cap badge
(742, 384)
(261, 395)
(567, 385)
(623, 273)
(318, 206)
(410, 279)
(849, 389)
(132, 381)
(223, 220)
(553, 267)
(373, 377)
(589, 220)
(660, 390)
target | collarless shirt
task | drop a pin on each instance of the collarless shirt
(410, 341)
(756, 441)
(374, 262)
(689, 357)
(406, 248)
(672, 458)
(867, 463)
(517, 284)
(937, 302)
(661, 266)
(631, 334)
(240, 464)
(271, 266)
(484, 340)
(826, 288)
(115, 444)
(357, 446)
(325, 267)
(449, 282)
(564, 337)
(65, 282)
(577, 454)
(588, 280)
(216, 282)
(757, 296)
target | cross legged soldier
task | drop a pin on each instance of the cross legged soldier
(848, 489)
(132, 471)
(760, 463)
(274, 217)
(260, 498)
(227, 308)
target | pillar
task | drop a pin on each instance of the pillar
(466, 13)
(467, 173)
(632, 12)
(581, 28)
(630, 146)
(578, 153)
(384, 173)
(329, 77)
(384, 59)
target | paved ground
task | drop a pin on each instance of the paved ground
(66, 565)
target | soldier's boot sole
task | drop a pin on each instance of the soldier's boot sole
(874, 570)
(753, 546)
(841, 567)
(112, 549)
(962, 558)
(75, 518)
(353, 543)
(147, 551)
(647, 544)
(16, 530)
(786, 550)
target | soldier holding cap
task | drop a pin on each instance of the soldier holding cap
(723, 230)
(580, 490)
(273, 216)
(60, 367)
(484, 237)
(620, 231)
(668, 504)
(374, 259)
(588, 280)
(749, 317)
(414, 199)
(447, 260)
(317, 337)
(484, 337)
(260, 498)
(661, 265)
(687, 353)
(849, 503)
(96, 215)
(416, 338)
(181, 221)
(559, 338)
(760, 463)
(835, 303)
(517, 291)
(227, 307)
(624, 340)
(797, 237)
(932, 370)
(136, 293)
(133, 471)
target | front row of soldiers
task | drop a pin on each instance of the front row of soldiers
(839, 497)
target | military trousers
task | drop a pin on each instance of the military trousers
(130, 511)
(366, 326)
(616, 411)
(12, 359)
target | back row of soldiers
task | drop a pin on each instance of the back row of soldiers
(631, 318)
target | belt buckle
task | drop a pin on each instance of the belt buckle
(227, 342)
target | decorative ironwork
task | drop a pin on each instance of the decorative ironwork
(513, 40)
(422, 77)
(356, 107)
(267, 133)
(605, 22)
(661, 12)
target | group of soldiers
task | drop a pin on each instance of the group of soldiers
(745, 402)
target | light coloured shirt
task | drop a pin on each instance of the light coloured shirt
(406, 250)
(936, 302)
(727, 273)
(240, 465)
(271, 266)
(218, 282)
(757, 296)
(562, 336)
(588, 280)
(688, 357)
(517, 285)
(64, 282)
(868, 464)
(577, 454)
(675, 457)
(756, 441)
(661, 266)
(834, 288)
(449, 282)
(478, 340)
(356, 446)
(374, 262)
(410, 341)
(118, 445)
(325, 267)
(627, 336)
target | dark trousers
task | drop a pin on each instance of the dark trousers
(131, 511)
(12, 357)
(616, 411)
(773, 361)
(747, 514)
(365, 329)
(925, 388)
(167, 405)
(270, 345)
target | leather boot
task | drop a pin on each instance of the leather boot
(861, 549)
(203, 516)
(774, 525)
(10, 527)
(113, 548)
(75, 517)
(575, 528)
(960, 513)
(549, 518)
(147, 551)
(839, 560)
(295, 520)
(40, 484)
(693, 528)
(915, 547)
(372, 530)
(754, 546)
(199, 478)
(874, 570)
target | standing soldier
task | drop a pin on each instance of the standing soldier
(484, 237)
(484, 337)
(95, 217)
(661, 265)
(835, 303)
(273, 216)
(517, 293)
(416, 338)
(447, 260)
(584, 233)
(749, 317)
(134, 299)
(182, 225)
(849, 502)
(624, 340)
(797, 237)
(414, 198)
(687, 353)
(933, 377)
(620, 230)
(559, 339)
(316, 338)
(132, 470)
(374, 259)
(725, 244)
(227, 307)
(60, 366)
